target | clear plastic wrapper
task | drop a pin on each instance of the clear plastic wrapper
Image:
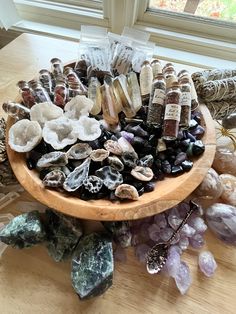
(94, 47)
(142, 52)
(123, 56)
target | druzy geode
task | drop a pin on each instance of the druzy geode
(24, 231)
(63, 234)
(92, 265)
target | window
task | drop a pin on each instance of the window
(176, 26)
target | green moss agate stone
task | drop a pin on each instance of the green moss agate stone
(63, 234)
(92, 265)
(24, 231)
(120, 231)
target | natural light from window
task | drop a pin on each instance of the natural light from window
(215, 9)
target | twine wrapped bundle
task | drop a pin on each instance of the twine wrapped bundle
(217, 88)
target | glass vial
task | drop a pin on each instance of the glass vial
(40, 93)
(146, 77)
(194, 98)
(156, 67)
(73, 78)
(170, 76)
(60, 92)
(26, 94)
(172, 112)
(46, 80)
(156, 101)
(185, 102)
(56, 66)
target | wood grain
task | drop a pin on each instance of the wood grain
(31, 283)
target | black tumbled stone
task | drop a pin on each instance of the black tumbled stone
(198, 148)
(187, 165)
(177, 170)
(166, 167)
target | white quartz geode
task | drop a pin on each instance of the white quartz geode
(88, 129)
(24, 135)
(44, 112)
(78, 106)
(60, 132)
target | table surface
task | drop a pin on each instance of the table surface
(31, 282)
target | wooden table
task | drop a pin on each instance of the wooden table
(31, 282)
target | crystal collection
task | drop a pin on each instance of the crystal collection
(128, 129)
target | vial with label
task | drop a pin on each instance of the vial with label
(156, 67)
(156, 101)
(194, 98)
(170, 76)
(46, 80)
(146, 77)
(185, 102)
(172, 112)
(73, 78)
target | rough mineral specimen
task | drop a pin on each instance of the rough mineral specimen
(92, 266)
(77, 107)
(142, 173)
(54, 179)
(120, 231)
(63, 234)
(127, 191)
(88, 129)
(221, 219)
(111, 177)
(211, 186)
(52, 159)
(23, 231)
(229, 188)
(79, 151)
(99, 154)
(183, 278)
(173, 262)
(207, 263)
(225, 161)
(93, 184)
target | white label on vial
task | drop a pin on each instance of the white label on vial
(185, 99)
(159, 96)
(146, 77)
(172, 112)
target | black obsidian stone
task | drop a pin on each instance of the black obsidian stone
(92, 265)
(136, 130)
(43, 173)
(198, 132)
(190, 136)
(149, 186)
(182, 156)
(187, 165)
(139, 144)
(166, 167)
(197, 116)
(184, 144)
(31, 164)
(177, 170)
(42, 148)
(193, 124)
(198, 148)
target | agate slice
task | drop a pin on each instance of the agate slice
(44, 112)
(60, 132)
(24, 135)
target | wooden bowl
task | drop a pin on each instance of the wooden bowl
(167, 193)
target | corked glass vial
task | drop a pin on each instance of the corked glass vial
(156, 67)
(57, 68)
(26, 94)
(73, 78)
(39, 92)
(185, 102)
(172, 112)
(156, 101)
(60, 92)
(145, 78)
(194, 98)
(169, 75)
(46, 80)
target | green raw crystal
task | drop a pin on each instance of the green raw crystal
(120, 231)
(63, 234)
(92, 265)
(24, 231)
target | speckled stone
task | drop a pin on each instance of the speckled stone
(120, 231)
(92, 266)
(63, 233)
(24, 231)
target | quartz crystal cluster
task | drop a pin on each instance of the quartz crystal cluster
(107, 136)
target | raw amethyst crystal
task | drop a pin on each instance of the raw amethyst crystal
(141, 251)
(172, 263)
(183, 278)
(221, 219)
(207, 263)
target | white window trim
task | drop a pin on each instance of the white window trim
(64, 21)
